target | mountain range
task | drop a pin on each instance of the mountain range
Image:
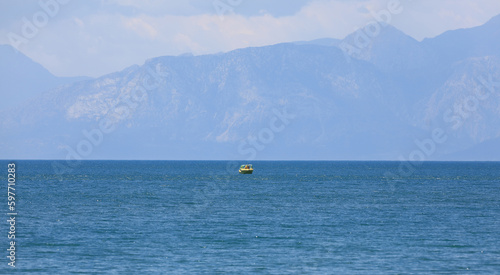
(304, 100)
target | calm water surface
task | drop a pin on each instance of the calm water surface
(288, 217)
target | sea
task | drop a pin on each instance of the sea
(288, 217)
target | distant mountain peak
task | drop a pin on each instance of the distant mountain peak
(384, 47)
(455, 45)
(392, 32)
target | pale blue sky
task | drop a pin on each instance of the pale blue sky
(95, 37)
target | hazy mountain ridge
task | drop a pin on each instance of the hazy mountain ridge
(22, 78)
(371, 106)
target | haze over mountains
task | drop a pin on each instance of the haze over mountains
(23, 79)
(302, 100)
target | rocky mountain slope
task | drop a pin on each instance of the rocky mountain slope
(285, 101)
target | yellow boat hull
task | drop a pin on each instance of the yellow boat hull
(246, 171)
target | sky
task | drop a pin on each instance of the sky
(96, 37)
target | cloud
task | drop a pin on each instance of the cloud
(140, 27)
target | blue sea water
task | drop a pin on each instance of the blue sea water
(191, 217)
